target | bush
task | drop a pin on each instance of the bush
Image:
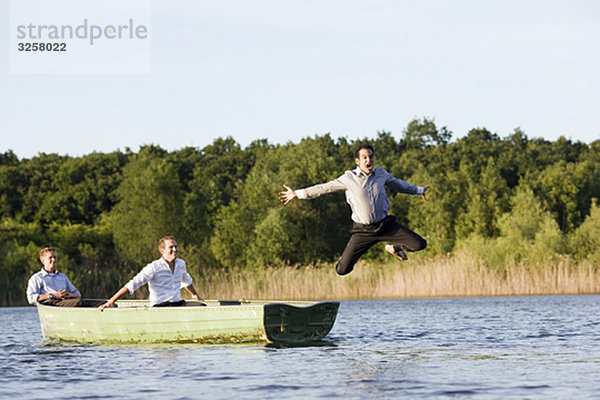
(584, 242)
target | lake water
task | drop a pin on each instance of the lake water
(485, 348)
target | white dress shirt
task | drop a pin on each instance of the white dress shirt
(163, 284)
(365, 193)
(44, 282)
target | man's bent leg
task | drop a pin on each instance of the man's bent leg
(403, 236)
(356, 247)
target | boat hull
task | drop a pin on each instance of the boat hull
(133, 321)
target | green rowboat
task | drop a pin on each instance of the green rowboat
(134, 321)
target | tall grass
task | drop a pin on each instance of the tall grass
(444, 276)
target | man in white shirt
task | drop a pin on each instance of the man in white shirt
(165, 278)
(51, 287)
(365, 189)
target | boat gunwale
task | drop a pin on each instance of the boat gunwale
(135, 305)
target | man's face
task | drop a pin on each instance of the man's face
(169, 250)
(365, 161)
(49, 260)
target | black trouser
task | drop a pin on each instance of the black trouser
(364, 236)
(75, 302)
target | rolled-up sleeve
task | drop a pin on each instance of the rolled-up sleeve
(140, 279)
(186, 280)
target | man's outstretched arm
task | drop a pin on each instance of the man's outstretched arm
(311, 192)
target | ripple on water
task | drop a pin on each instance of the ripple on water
(536, 348)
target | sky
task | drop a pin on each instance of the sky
(283, 70)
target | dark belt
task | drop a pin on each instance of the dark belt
(375, 227)
(171, 304)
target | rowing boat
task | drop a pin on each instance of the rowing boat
(212, 321)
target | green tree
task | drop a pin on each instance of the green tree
(38, 174)
(423, 133)
(559, 187)
(317, 223)
(229, 242)
(323, 223)
(82, 189)
(19, 246)
(11, 191)
(584, 242)
(185, 162)
(484, 201)
(528, 232)
(219, 169)
(150, 206)
(273, 239)
(433, 219)
(224, 163)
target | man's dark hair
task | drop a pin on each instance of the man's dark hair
(363, 146)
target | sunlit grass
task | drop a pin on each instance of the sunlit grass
(444, 276)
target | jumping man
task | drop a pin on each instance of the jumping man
(366, 195)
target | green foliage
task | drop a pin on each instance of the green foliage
(509, 200)
(484, 201)
(242, 228)
(323, 224)
(11, 190)
(37, 176)
(524, 225)
(18, 262)
(423, 133)
(273, 240)
(19, 258)
(201, 205)
(430, 218)
(82, 189)
(584, 242)
(558, 186)
(230, 239)
(528, 234)
(150, 206)
(225, 164)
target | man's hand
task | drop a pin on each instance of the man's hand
(107, 304)
(288, 195)
(197, 298)
(424, 190)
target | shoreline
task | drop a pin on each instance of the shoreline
(447, 276)
(443, 276)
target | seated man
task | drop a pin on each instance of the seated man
(165, 277)
(51, 287)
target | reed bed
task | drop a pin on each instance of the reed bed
(445, 276)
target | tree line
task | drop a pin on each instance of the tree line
(505, 200)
